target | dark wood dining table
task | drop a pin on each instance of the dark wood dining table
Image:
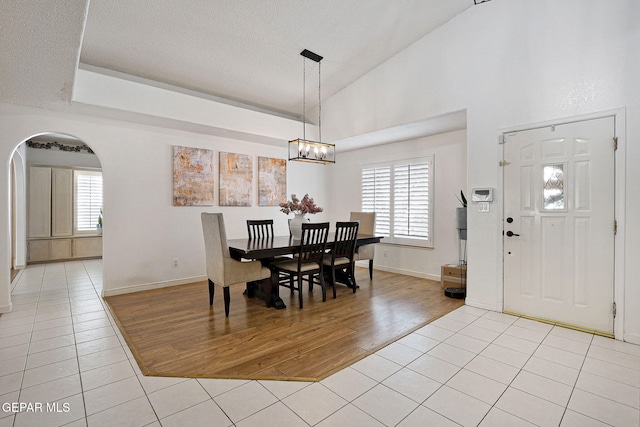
(266, 249)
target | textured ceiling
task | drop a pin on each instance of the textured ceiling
(40, 47)
(248, 51)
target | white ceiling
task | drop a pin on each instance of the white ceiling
(248, 51)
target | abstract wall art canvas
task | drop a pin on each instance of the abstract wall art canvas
(193, 177)
(272, 181)
(236, 179)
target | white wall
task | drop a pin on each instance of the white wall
(506, 62)
(510, 63)
(450, 160)
(143, 231)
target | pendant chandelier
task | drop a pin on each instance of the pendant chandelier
(302, 149)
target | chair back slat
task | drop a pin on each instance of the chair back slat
(260, 228)
(313, 242)
(345, 239)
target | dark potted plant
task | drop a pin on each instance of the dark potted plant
(99, 225)
(461, 217)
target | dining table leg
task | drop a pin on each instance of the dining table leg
(274, 292)
(344, 277)
(266, 290)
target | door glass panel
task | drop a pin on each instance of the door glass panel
(553, 190)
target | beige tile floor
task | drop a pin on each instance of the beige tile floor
(62, 356)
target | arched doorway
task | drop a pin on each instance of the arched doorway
(56, 198)
(18, 206)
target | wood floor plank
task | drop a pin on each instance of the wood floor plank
(174, 332)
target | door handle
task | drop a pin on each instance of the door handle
(511, 233)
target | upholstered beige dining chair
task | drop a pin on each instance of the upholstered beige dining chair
(221, 268)
(367, 226)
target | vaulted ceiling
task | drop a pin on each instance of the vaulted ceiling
(241, 52)
(248, 51)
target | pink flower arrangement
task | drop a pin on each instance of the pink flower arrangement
(304, 206)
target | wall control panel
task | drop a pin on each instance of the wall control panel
(482, 195)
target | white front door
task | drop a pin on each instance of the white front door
(559, 223)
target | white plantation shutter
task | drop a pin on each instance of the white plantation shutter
(400, 193)
(376, 196)
(411, 200)
(88, 200)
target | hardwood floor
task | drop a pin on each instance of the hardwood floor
(174, 332)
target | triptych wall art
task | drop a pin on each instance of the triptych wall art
(272, 181)
(193, 178)
(236, 179)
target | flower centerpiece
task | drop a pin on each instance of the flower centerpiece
(300, 208)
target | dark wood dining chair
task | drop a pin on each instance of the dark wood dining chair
(263, 229)
(308, 262)
(221, 268)
(260, 228)
(342, 254)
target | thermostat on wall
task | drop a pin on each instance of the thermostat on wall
(482, 195)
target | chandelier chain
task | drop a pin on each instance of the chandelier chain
(304, 97)
(304, 100)
(319, 108)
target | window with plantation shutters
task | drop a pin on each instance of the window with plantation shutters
(376, 196)
(400, 192)
(88, 200)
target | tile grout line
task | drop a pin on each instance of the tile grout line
(515, 376)
(540, 343)
(26, 359)
(73, 328)
(573, 388)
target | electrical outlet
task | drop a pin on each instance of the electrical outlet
(384, 253)
(176, 262)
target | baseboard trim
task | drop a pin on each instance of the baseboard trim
(6, 308)
(632, 338)
(150, 286)
(411, 273)
(479, 304)
(15, 276)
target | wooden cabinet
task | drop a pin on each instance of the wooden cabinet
(87, 247)
(56, 249)
(60, 249)
(453, 276)
(51, 216)
(39, 198)
(50, 202)
(61, 202)
(39, 250)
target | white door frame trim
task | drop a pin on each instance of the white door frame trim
(619, 115)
